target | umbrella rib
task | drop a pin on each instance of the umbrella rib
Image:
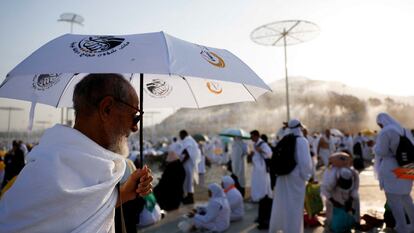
(249, 92)
(64, 90)
(192, 92)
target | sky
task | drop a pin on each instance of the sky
(362, 43)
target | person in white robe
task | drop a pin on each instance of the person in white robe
(190, 155)
(289, 194)
(326, 147)
(216, 216)
(260, 180)
(238, 160)
(234, 198)
(341, 194)
(201, 165)
(175, 146)
(397, 191)
(72, 175)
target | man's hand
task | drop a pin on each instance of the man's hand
(139, 182)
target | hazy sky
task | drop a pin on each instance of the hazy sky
(363, 43)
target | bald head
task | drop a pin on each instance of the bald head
(94, 87)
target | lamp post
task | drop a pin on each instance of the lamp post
(72, 19)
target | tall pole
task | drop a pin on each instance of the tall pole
(141, 122)
(286, 77)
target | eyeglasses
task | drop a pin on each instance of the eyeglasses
(136, 118)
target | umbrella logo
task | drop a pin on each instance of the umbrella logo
(98, 46)
(214, 87)
(158, 88)
(45, 81)
(212, 57)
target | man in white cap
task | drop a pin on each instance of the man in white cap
(234, 198)
(397, 191)
(289, 195)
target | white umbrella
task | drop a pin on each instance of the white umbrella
(235, 133)
(177, 73)
(336, 132)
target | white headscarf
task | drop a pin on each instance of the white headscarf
(295, 127)
(227, 181)
(389, 123)
(216, 191)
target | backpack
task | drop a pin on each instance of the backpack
(405, 151)
(283, 159)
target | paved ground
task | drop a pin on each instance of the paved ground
(372, 202)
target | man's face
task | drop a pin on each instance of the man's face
(122, 124)
(254, 137)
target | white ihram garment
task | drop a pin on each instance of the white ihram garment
(68, 185)
(191, 165)
(260, 186)
(289, 194)
(238, 160)
(397, 191)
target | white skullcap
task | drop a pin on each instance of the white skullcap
(294, 123)
(345, 173)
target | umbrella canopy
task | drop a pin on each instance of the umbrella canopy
(235, 133)
(368, 132)
(336, 132)
(200, 138)
(177, 73)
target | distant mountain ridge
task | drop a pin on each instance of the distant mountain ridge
(319, 104)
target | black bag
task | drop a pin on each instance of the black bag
(283, 159)
(405, 151)
(358, 161)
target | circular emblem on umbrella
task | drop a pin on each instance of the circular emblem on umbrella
(158, 88)
(45, 81)
(214, 87)
(212, 57)
(98, 46)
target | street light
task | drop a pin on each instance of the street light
(70, 18)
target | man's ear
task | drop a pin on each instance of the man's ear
(105, 107)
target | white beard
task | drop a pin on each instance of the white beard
(120, 146)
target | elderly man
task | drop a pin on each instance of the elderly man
(72, 175)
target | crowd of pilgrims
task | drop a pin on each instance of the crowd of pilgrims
(332, 160)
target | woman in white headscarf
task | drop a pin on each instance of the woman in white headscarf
(289, 195)
(217, 214)
(397, 191)
(234, 198)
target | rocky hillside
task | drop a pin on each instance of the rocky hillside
(319, 104)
